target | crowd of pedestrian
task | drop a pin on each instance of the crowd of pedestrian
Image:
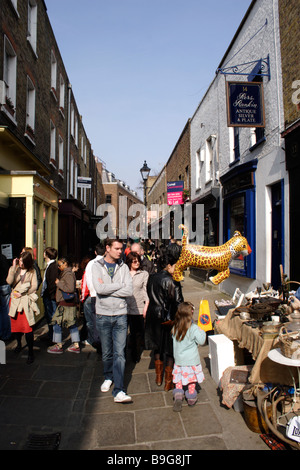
(129, 301)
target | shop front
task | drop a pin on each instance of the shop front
(239, 213)
(29, 214)
(209, 225)
(76, 237)
(292, 147)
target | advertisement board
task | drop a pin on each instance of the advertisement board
(175, 192)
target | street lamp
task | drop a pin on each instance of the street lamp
(145, 170)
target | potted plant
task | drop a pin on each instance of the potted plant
(9, 105)
(30, 131)
(186, 195)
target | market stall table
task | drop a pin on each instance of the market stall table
(251, 339)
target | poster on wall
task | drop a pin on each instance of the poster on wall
(175, 192)
(245, 104)
(7, 251)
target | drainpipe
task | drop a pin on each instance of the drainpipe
(68, 139)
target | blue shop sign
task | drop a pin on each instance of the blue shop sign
(245, 104)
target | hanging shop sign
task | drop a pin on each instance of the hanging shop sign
(245, 104)
(175, 192)
(84, 182)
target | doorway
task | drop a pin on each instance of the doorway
(277, 233)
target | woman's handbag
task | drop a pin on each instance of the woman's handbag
(70, 296)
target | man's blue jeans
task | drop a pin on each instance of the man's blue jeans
(90, 318)
(57, 333)
(113, 333)
(50, 307)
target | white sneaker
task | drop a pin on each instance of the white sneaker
(106, 385)
(121, 397)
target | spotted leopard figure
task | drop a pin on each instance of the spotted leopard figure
(210, 257)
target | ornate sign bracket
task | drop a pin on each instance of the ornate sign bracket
(259, 67)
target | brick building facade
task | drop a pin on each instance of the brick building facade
(44, 147)
(289, 14)
(122, 204)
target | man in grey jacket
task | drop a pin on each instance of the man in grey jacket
(113, 284)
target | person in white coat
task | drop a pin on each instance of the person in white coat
(89, 302)
(23, 308)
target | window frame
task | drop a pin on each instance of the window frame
(10, 71)
(32, 24)
(52, 143)
(30, 108)
(61, 155)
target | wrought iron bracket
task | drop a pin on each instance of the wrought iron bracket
(259, 67)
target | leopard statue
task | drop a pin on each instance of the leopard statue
(210, 257)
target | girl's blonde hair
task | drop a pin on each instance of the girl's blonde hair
(183, 320)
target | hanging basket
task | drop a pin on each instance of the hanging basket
(289, 343)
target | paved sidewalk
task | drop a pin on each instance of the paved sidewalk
(61, 394)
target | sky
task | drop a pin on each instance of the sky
(139, 69)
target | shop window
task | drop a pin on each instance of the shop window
(12, 229)
(239, 214)
(52, 242)
(35, 224)
(45, 226)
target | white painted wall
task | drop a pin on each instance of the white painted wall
(256, 40)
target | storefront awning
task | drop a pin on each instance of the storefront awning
(17, 155)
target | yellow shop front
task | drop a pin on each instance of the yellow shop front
(29, 214)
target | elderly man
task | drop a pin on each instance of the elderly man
(146, 264)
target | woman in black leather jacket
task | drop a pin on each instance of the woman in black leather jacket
(164, 297)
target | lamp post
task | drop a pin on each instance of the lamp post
(145, 170)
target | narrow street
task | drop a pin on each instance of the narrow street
(61, 394)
